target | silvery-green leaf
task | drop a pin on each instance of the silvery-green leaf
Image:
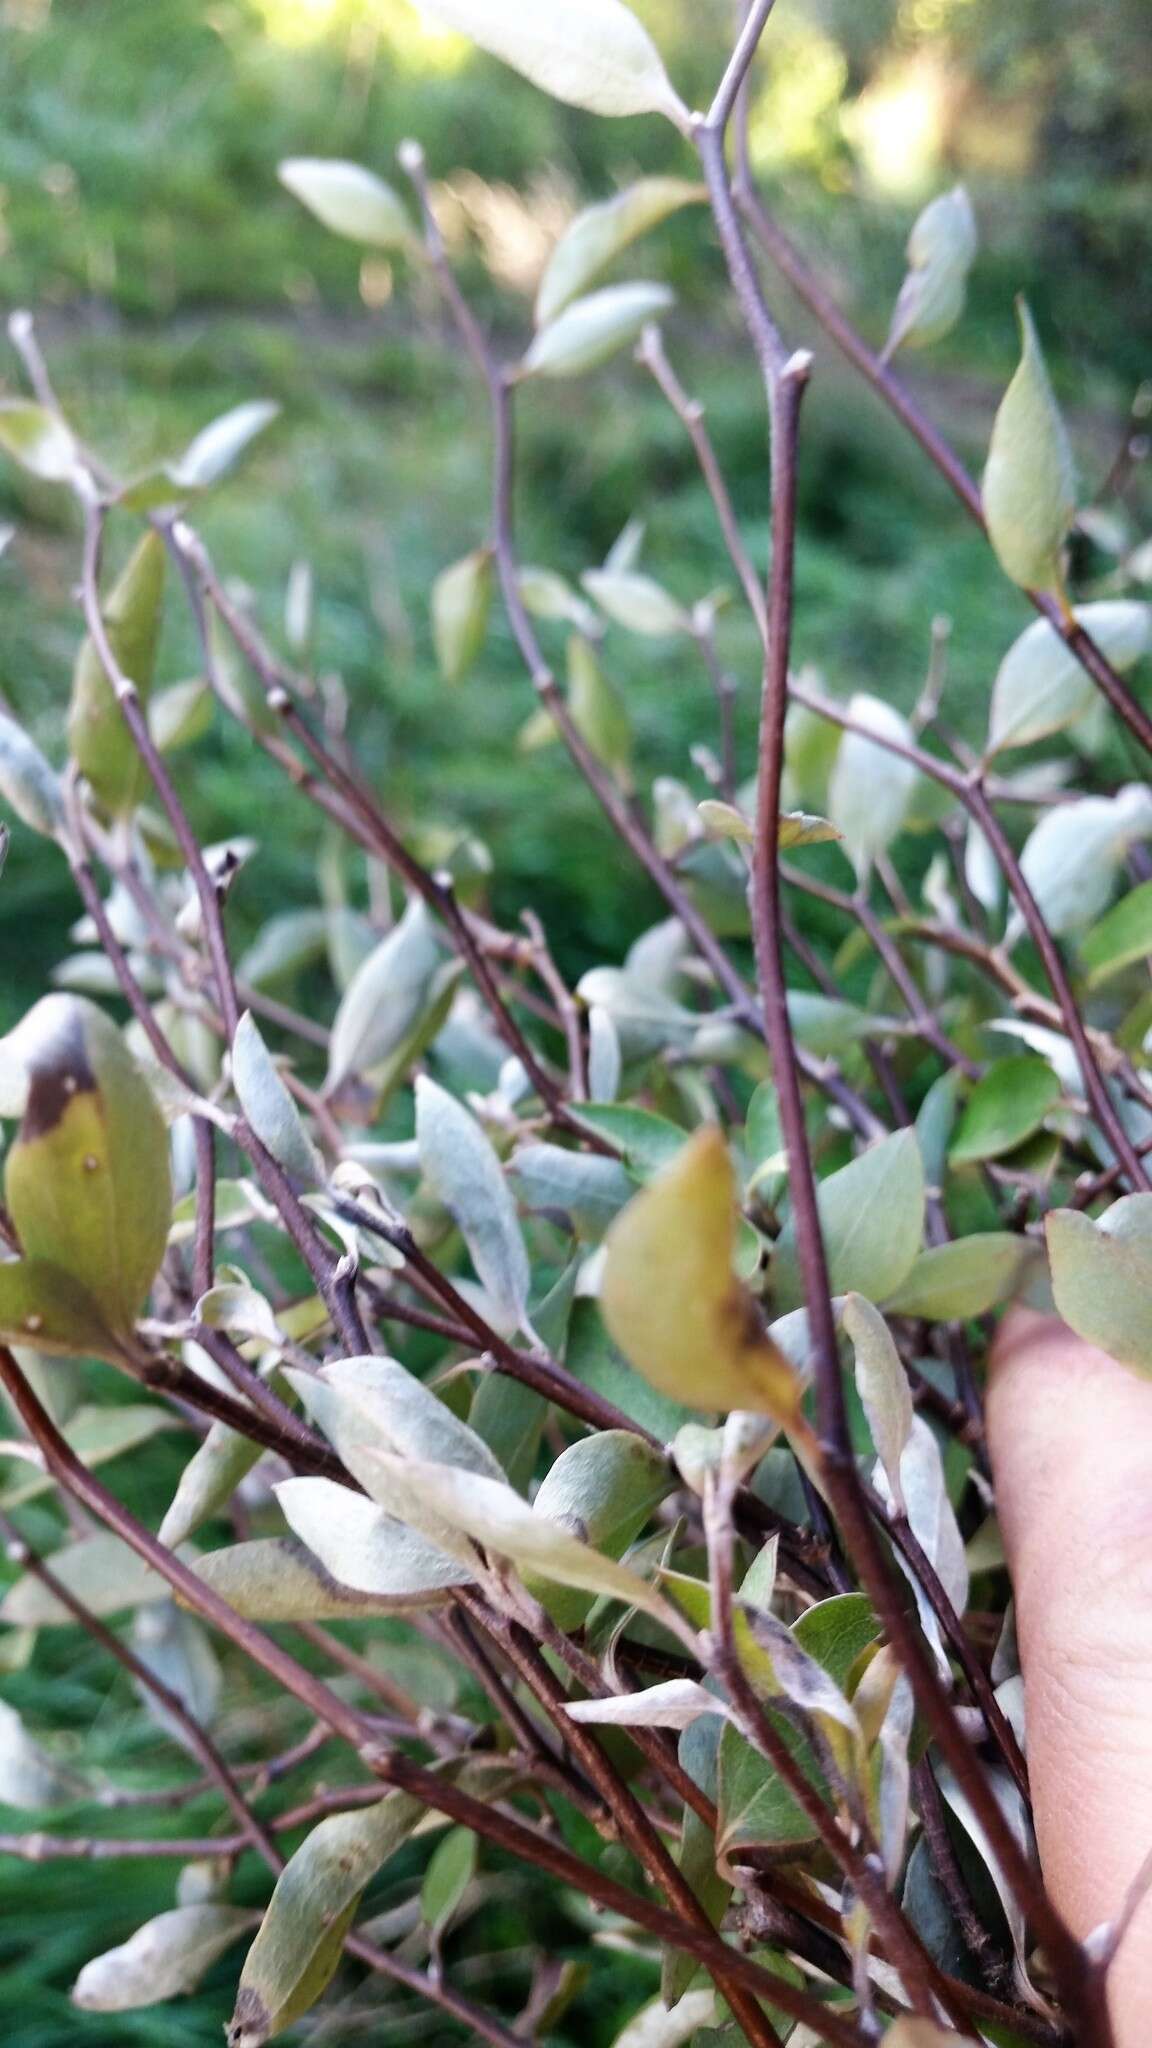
(590, 330)
(465, 1173)
(941, 249)
(798, 1675)
(361, 1546)
(385, 997)
(950, 1282)
(96, 1434)
(826, 1026)
(599, 233)
(1041, 686)
(27, 781)
(166, 1958)
(38, 440)
(363, 1404)
(604, 1056)
(549, 596)
(269, 1107)
(461, 603)
(1102, 1277)
(180, 714)
(208, 1481)
(872, 1215)
(274, 1579)
(583, 1185)
(349, 200)
(603, 1488)
(674, 1704)
(932, 1520)
(881, 1383)
(219, 445)
(1072, 857)
(490, 1514)
(240, 1309)
(591, 53)
(645, 1020)
(30, 1779)
(286, 945)
(100, 1570)
(302, 1933)
(636, 602)
(982, 870)
(871, 790)
(1029, 484)
(178, 1651)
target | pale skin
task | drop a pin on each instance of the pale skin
(1071, 1441)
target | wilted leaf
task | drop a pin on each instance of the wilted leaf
(1008, 1103)
(872, 1216)
(87, 1179)
(591, 53)
(269, 1107)
(362, 1546)
(165, 1958)
(98, 739)
(38, 440)
(590, 330)
(950, 1282)
(27, 781)
(1029, 485)
(461, 603)
(465, 1173)
(881, 1383)
(385, 997)
(598, 234)
(1102, 1277)
(870, 790)
(302, 1934)
(671, 1300)
(636, 602)
(1041, 686)
(941, 249)
(349, 200)
(1121, 938)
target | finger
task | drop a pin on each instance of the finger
(1070, 1433)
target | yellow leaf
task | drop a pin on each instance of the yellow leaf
(671, 1300)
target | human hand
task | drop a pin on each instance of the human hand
(1070, 1434)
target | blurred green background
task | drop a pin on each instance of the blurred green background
(141, 219)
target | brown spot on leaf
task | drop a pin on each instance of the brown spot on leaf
(58, 1072)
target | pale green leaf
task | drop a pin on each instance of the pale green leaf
(1041, 686)
(1008, 1103)
(636, 602)
(385, 997)
(465, 1173)
(274, 1579)
(950, 1282)
(941, 249)
(362, 1546)
(872, 1216)
(590, 330)
(871, 789)
(349, 200)
(1102, 1277)
(166, 1958)
(28, 783)
(38, 440)
(598, 234)
(269, 1108)
(461, 604)
(881, 1383)
(1029, 484)
(219, 446)
(590, 53)
(1122, 937)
